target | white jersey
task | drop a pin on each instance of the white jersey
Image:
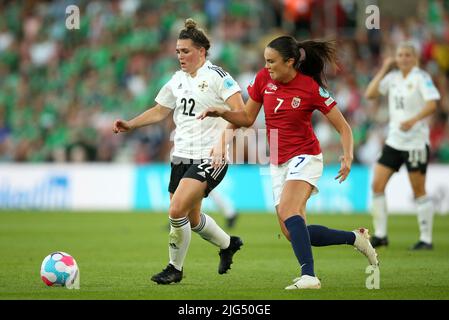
(189, 97)
(406, 98)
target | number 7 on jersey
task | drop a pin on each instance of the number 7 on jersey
(279, 104)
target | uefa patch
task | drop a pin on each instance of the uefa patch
(329, 101)
(324, 93)
(252, 81)
(296, 101)
(429, 83)
(228, 83)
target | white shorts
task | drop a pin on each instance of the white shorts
(304, 167)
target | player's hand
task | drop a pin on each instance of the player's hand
(218, 156)
(121, 126)
(211, 112)
(407, 125)
(345, 168)
(388, 63)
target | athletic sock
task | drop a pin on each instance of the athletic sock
(380, 215)
(223, 204)
(425, 209)
(179, 241)
(300, 241)
(321, 236)
(209, 230)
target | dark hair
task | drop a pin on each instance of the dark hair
(197, 36)
(310, 56)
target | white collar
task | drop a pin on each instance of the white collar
(201, 69)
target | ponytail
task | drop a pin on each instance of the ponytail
(317, 54)
(310, 56)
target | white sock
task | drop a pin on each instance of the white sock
(209, 230)
(223, 204)
(179, 241)
(380, 215)
(425, 209)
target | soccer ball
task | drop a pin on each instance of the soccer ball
(60, 269)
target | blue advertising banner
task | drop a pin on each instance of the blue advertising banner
(248, 188)
(151, 187)
(350, 196)
(51, 191)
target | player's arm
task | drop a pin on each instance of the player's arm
(429, 108)
(239, 115)
(372, 91)
(218, 152)
(341, 125)
(150, 116)
(235, 103)
(240, 118)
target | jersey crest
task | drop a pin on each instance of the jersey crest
(296, 101)
(203, 86)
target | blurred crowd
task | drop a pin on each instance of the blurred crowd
(61, 89)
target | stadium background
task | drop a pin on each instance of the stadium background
(61, 90)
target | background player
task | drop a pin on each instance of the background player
(412, 98)
(225, 205)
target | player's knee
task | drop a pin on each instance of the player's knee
(285, 212)
(176, 211)
(378, 187)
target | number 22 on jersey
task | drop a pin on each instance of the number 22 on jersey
(184, 105)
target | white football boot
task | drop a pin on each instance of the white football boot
(305, 282)
(363, 245)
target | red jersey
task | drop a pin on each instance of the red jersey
(288, 108)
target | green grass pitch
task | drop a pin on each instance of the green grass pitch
(118, 252)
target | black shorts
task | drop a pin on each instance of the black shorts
(200, 170)
(415, 160)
